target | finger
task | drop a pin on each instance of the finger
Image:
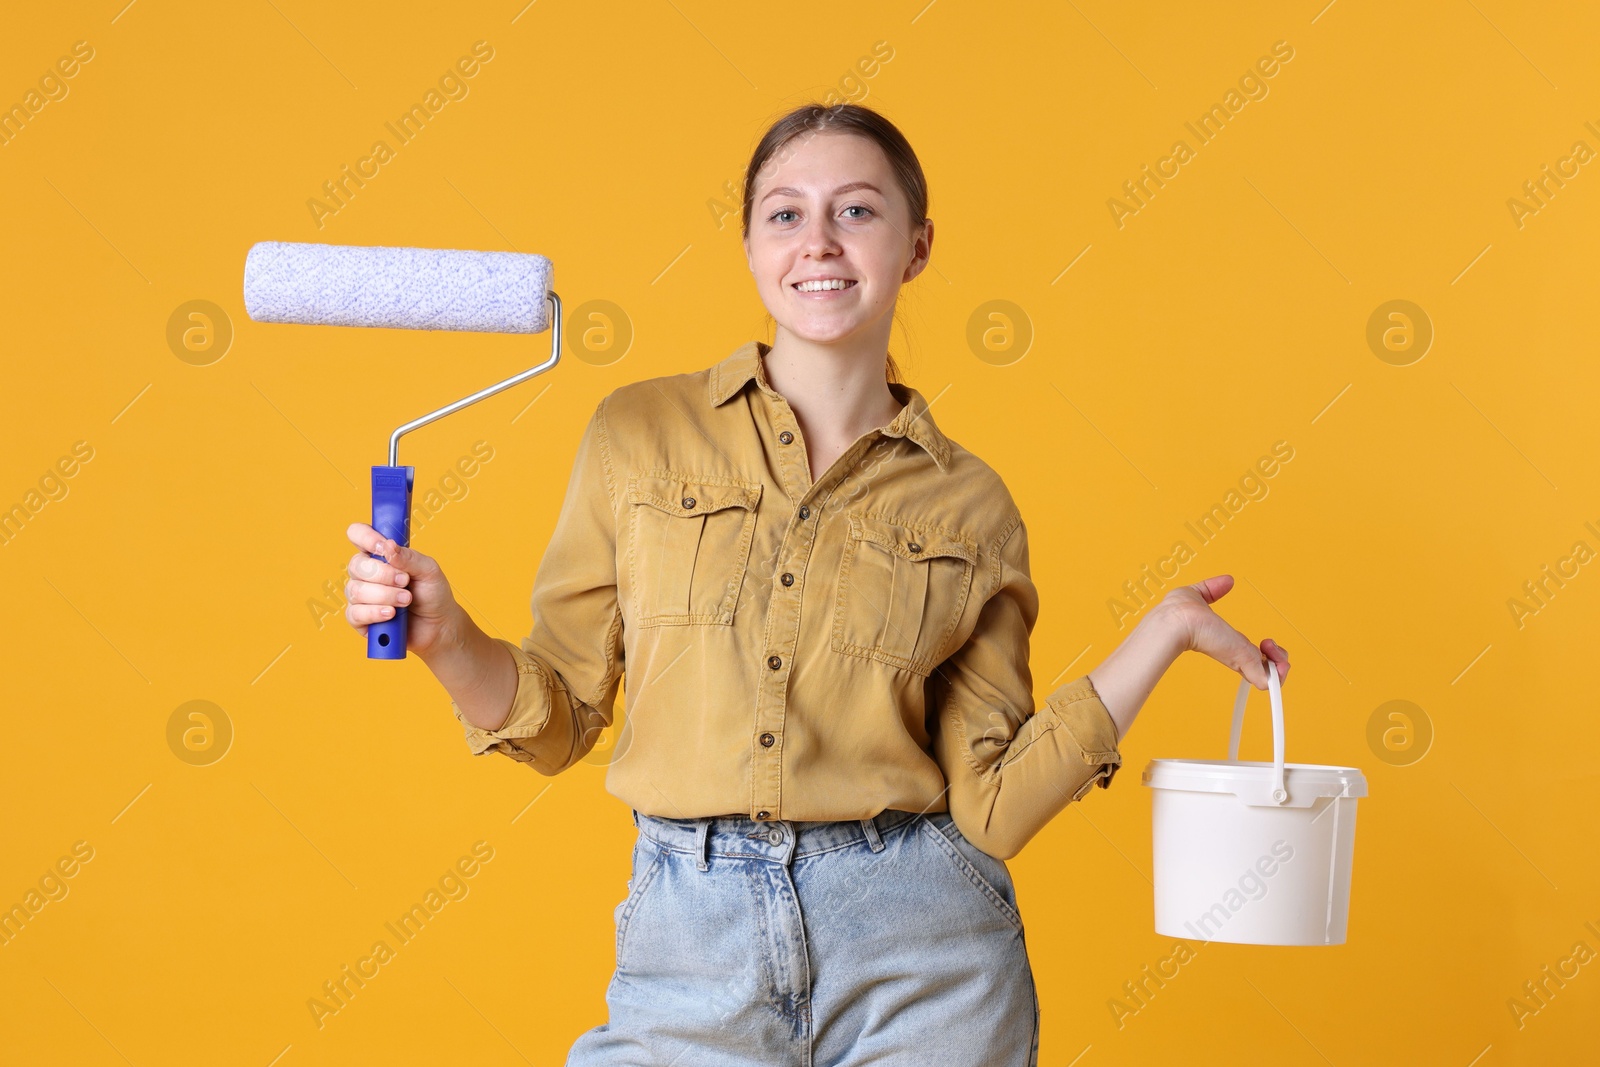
(1254, 668)
(363, 536)
(366, 614)
(407, 559)
(356, 592)
(365, 568)
(372, 544)
(1279, 656)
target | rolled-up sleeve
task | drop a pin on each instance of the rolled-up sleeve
(1011, 769)
(570, 665)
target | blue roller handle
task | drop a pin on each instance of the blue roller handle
(391, 517)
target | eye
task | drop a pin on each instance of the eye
(859, 207)
(780, 211)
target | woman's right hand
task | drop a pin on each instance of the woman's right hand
(1206, 631)
(409, 579)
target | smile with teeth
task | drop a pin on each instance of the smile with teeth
(823, 285)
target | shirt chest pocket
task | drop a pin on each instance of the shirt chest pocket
(902, 589)
(689, 546)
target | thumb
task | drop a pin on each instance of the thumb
(1215, 588)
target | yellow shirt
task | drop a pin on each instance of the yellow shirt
(795, 649)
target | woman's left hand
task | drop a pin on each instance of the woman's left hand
(1203, 630)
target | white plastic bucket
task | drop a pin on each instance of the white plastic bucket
(1253, 853)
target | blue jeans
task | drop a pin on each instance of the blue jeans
(890, 941)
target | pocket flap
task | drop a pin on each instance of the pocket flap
(912, 544)
(689, 495)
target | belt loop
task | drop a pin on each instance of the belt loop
(702, 835)
(870, 828)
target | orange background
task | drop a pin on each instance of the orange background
(1132, 377)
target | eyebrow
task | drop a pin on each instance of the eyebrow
(789, 190)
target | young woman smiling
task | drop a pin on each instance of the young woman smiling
(824, 605)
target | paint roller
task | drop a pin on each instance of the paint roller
(407, 289)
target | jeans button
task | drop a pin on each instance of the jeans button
(775, 835)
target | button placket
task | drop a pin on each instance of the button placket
(793, 463)
(783, 629)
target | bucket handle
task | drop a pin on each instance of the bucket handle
(1280, 794)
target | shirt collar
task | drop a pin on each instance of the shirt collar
(915, 420)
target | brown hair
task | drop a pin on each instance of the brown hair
(812, 119)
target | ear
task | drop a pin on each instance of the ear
(921, 251)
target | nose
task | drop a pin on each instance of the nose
(822, 237)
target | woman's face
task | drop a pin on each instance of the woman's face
(831, 208)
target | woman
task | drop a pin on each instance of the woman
(824, 604)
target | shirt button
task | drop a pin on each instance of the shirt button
(786, 437)
(805, 512)
(774, 662)
(787, 579)
(766, 739)
(688, 501)
(762, 814)
(913, 546)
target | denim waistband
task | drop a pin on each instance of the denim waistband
(773, 839)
